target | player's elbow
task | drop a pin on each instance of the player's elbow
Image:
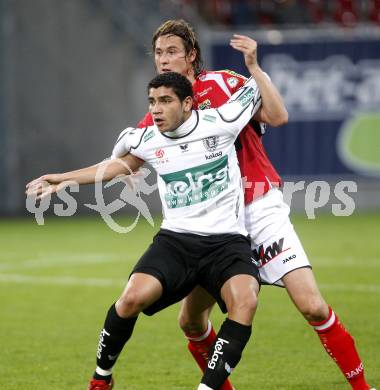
(280, 119)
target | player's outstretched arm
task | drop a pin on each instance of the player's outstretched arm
(103, 171)
(273, 111)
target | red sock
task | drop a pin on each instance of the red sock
(199, 346)
(340, 345)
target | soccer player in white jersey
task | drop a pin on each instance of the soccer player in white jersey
(276, 247)
(202, 240)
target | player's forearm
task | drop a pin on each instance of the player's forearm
(104, 171)
(273, 111)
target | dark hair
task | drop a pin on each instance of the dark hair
(182, 29)
(180, 84)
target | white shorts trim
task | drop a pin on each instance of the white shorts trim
(276, 247)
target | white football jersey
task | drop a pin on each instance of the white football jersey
(197, 168)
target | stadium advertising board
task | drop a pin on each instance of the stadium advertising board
(331, 87)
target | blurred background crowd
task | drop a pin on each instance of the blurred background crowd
(288, 13)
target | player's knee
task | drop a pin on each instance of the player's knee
(130, 304)
(191, 326)
(249, 303)
(246, 304)
(315, 309)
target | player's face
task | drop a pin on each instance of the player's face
(170, 55)
(167, 111)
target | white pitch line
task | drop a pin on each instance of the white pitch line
(359, 288)
(103, 282)
(373, 262)
(62, 261)
(62, 280)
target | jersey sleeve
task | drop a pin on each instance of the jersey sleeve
(128, 141)
(240, 108)
(146, 121)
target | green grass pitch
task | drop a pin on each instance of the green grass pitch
(58, 280)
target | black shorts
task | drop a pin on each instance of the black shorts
(180, 261)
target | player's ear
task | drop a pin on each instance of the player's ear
(187, 104)
(192, 55)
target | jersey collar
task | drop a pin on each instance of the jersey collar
(186, 128)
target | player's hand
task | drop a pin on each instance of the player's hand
(45, 185)
(248, 47)
(133, 179)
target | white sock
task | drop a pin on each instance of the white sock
(204, 335)
(102, 372)
(204, 387)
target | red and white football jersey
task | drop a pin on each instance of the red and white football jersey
(211, 90)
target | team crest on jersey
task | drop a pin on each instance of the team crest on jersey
(211, 143)
(204, 105)
(232, 82)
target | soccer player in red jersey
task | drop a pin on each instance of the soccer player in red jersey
(275, 246)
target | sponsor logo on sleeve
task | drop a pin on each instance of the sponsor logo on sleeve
(246, 97)
(209, 118)
(148, 135)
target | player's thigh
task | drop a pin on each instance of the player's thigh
(230, 259)
(304, 292)
(195, 311)
(140, 292)
(197, 304)
(168, 261)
